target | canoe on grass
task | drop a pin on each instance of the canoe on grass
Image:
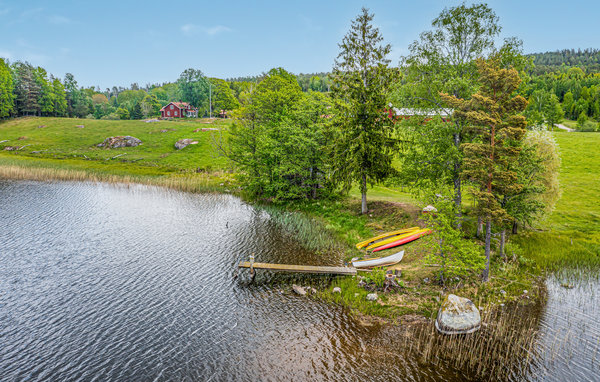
(363, 244)
(393, 238)
(379, 261)
(404, 240)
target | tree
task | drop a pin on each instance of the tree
(489, 161)
(277, 140)
(362, 145)
(581, 120)
(193, 87)
(60, 97)
(122, 113)
(443, 61)
(553, 112)
(27, 90)
(7, 97)
(222, 96)
(46, 95)
(136, 112)
(150, 105)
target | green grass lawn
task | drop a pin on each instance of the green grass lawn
(61, 140)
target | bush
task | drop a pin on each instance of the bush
(588, 126)
(111, 117)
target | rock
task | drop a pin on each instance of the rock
(426, 280)
(41, 126)
(457, 315)
(120, 141)
(372, 297)
(312, 290)
(525, 291)
(80, 126)
(430, 208)
(151, 120)
(184, 143)
(503, 292)
(337, 290)
(298, 290)
(356, 294)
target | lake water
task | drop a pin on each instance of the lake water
(109, 283)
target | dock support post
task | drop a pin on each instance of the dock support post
(252, 271)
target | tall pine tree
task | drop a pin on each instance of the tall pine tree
(493, 114)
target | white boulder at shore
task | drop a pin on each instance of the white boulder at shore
(457, 315)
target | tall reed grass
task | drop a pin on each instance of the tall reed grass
(201, 182)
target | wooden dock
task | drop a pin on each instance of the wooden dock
(298, 268)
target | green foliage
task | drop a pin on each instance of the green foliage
(193, 87)
(376, 276)
(562, 60)
(123, 113)
(361, 138)
(455, 255)
(222, 96)
(493, 114)
(277, 140)
(581, 120)
(6, 90)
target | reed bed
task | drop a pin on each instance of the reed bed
(310, 233)
(503, 349)
(196, 183)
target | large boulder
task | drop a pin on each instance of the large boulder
(184, 143)
(457, 315)
(120, 141)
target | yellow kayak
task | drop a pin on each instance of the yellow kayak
(394, 238)
(363, 244)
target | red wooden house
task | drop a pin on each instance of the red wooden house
(178, 110)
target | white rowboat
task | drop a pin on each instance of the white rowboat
(379, 261)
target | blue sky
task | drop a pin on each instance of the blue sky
(106, 43)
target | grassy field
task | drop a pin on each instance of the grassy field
(59, 139)
(571, 234)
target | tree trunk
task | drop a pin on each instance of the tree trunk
(479, 227)
(363, 191)
(514, 227)
(502, 242)
(488, 240)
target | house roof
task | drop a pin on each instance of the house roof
(423, 112)
(181, 105)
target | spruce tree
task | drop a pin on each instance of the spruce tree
(362, 145)
(493, 115)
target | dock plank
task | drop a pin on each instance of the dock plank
(300, 268)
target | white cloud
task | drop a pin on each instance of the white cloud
(216, 30)
(192, 29)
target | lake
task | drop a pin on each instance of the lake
(124, 283)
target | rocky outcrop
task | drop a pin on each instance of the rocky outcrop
(372, 297)
(120, 141)
(457, 315)
(184, 143)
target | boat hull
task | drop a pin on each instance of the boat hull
(370, 241)
(380, 261)
(402, 241)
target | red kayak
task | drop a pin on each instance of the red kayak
(405, 240)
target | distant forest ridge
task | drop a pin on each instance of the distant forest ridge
(587, 59)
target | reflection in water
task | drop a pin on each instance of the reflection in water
(136, 283)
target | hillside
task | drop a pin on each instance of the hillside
(588, 59)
